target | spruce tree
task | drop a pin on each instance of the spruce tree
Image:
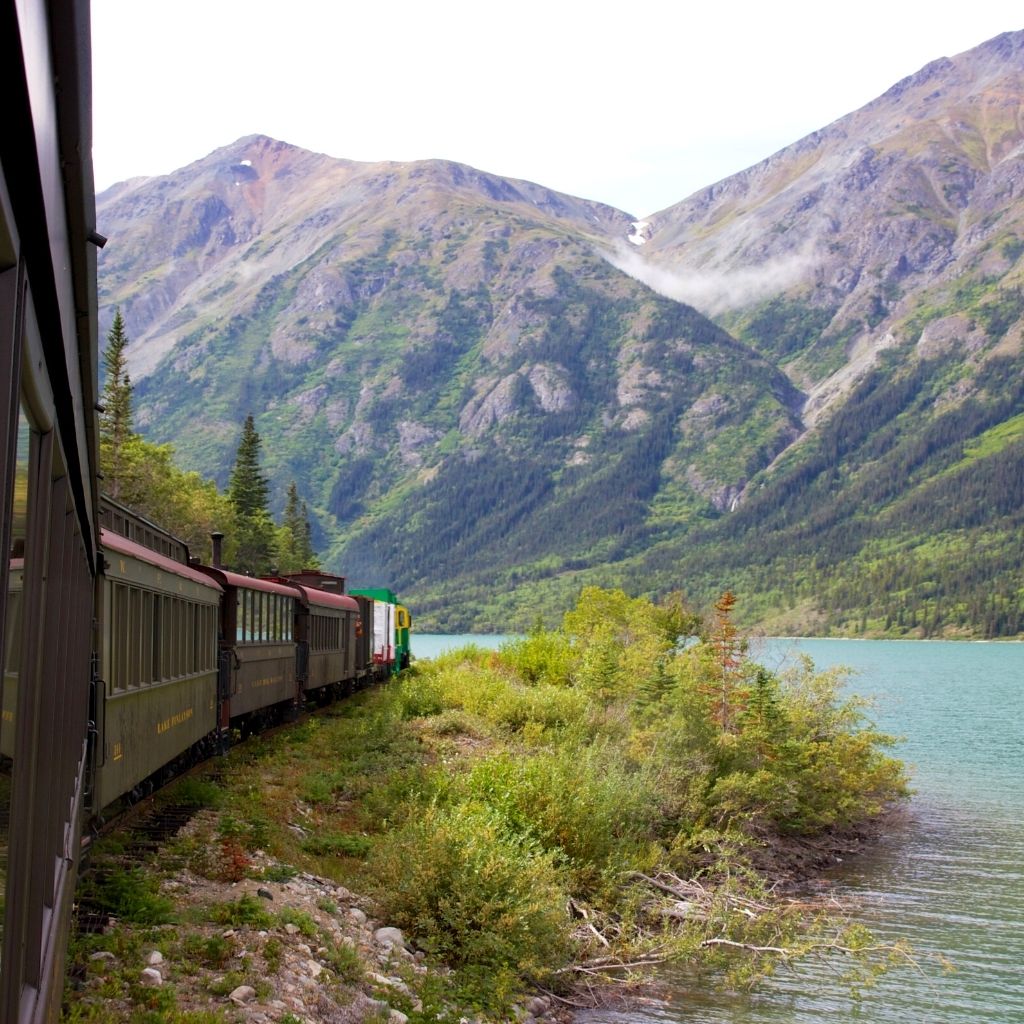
(309, 557)
(247, 487)
(116, 418)
(295, 548)
(247, 491)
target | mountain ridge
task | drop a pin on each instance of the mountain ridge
(487, 411)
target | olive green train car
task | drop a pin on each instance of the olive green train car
(257, 649)
(159, 623)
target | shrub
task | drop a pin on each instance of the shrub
(132, 896)
(279, 873)
(345, 962)
(582, 805)
(420, 696)
(213, 951)
(194, 792)
(541, 657)
(472, 892)
(337, 844)
(302, 920)
(246, 910)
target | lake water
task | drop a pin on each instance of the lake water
(950, 879)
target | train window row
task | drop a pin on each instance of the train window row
(324, 633)
(156, 637)
(263, 617)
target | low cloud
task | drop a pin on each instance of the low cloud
(714, 291)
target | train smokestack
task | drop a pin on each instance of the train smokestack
(218, 539)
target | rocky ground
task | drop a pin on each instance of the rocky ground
(272, 946)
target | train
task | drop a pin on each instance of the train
(123, 657)
(192, 655)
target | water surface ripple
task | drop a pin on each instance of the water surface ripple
(949, 879)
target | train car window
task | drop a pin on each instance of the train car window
(181, 637)
(134, 636)
(175, 638)
(239, 616)
(119, 669)
(197, 643)
(155, 673)
(189, 639)
(289, 617)
(210, 632)
(146, 637)
(166, 638)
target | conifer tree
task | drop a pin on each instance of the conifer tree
(247, 486)
(310, 560)
(295, 547)
(116, 418)
(247, 492)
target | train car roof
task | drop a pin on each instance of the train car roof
(314, 595)
(328, 600)
(227, 578)
(115, 542)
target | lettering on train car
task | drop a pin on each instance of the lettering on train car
(267, 681)
(170, 723)
(118, 751)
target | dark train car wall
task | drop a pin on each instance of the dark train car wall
(49, 529)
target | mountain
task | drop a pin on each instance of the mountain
(878, 262)
(441, 358)
(901, 219)
(490, 394)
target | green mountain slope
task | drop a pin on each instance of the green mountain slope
(487, 407)
(444, 361)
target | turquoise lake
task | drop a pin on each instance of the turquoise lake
(949, 878)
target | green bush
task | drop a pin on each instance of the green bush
(130, 895)
(246, 910)
(337, 844)
(473, 892)
(213, 951)
(195, 792)
(420, 696)
(582, 805)
(541, 657)
(303, 921)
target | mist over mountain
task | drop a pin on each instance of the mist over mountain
(491, 393)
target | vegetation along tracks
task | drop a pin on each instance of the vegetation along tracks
(569, 811)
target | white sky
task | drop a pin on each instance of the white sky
(637, 104)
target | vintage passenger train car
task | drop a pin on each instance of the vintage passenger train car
(192, 654)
